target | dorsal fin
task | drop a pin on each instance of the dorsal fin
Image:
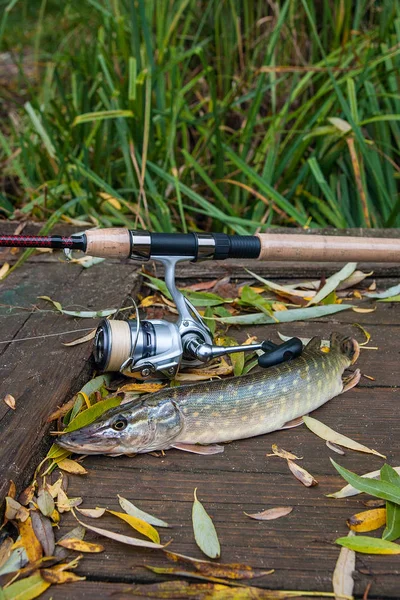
(314, 343)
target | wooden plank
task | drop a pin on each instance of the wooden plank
(41, 373)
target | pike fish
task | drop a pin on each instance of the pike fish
(197, 417)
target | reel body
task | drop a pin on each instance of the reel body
(159, 348)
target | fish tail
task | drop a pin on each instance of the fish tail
(346, 345)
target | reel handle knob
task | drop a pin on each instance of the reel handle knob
(275, 354)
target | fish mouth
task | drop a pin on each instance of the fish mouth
(83, 443)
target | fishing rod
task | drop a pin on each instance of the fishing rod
(159, 348)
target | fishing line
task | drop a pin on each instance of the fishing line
(38, 337)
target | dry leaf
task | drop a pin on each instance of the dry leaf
(335, 448)
(93, 513)
(71, 466)
(283, 453)
(5, 550)
(326, 433)
(55, 576)
(12, 507)
(118, 537)
(76, 533)
(342, 580)
(204, 530)
(82, 340)
(271, 513)
(4, 270)
(301, 474)
(374, 503)
(29, 540)
(179, 571)
(27, 494)
(45, 502)
(132, 510)
(368, 520)
(64, 504)
(43, 531)
(60, 412)
(138, 524)
(144, 388)
(358, 309)
(208, 568)
(10, 401)
(80, 546)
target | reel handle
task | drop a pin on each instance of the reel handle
(275, 354)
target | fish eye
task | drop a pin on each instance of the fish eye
(120, 424)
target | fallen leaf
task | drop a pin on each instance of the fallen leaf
(206, 567)
(71, 466)
(283, 453)
(335, 448)
(93, 513)
(138, 524)
(392, 291)
(10, 401)
(80, 546)
(182, 573)
(85, 314)
(44, 532)
(332, 282)
(326, 433)
(144, 388)
(365, 332)
(380, 489)
(271, 513)
(369, 545)
(30, 587)
(392, 529)
(361, 310)
(285, 316)
(118, 537)
(64, 504)
(55, 576)
(12, 507)
(27, 494)
(45, 502)
(4, 270)
(349, 490)
(342, 580)
(75, 533)
(301, 474)
(374, 503)
(29, 540)
(280, 289)
(132, 510)
(204, 530)
(367, 520)
(5, 550)
(86, 338)
(91, 414)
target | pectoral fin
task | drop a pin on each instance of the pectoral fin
(351, 381)
(292, 423)
(197, 449)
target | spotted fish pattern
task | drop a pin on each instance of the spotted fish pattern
(222, 410)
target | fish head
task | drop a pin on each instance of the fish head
(136, 427)
(346, 347)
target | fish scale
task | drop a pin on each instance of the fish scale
(222, 410)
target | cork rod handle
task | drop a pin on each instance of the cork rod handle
(323, 248)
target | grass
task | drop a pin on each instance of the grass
(191, 114)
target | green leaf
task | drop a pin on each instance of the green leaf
(285, 316)
(204, 530)
(252, 298)
(101, 115)
(368, 545)
(392, 291)
(392, 529)
(380, 489)
(95, 384)
(332, 282)
(132, 510)
(91, 414)
(26, 589)
(391, 299)
(196, 298)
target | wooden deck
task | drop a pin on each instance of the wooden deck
(42, 373)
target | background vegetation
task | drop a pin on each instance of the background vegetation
(201, 114)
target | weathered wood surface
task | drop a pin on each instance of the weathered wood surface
(41, 374)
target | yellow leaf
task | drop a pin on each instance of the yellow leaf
(25, 589)
(80, 546)
(148, 301)
(71, 466)
(141, 387)
(9, 400)
(29, 540)
(357, 309)
(368, 520)
(54, 576)
(111, 200)
(277, 306)
(283, 453)
(4, 270)
(138, 524)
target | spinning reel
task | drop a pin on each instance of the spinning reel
(158, 348)
(154, 348)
